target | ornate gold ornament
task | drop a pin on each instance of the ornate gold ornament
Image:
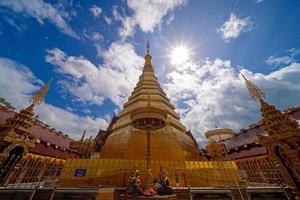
(283, 140)
(215, 149)
(85, 146)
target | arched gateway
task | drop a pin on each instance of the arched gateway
(10, 162)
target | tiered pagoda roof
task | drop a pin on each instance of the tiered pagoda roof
(173, 142)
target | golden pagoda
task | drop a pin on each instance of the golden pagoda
(148, 136)
(169, 143)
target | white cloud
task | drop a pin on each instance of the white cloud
(116, 14)
(69, 122)
(233, 27)
(108, 20)
(41, 11)
(11, 22)
(95, 10)
(294, 52)
(24, 84)
(128, 27)
(212, 93)
(284, 60)
(94, 36)
(259, 1)
(99, 49)
(147, 14)
(91, 83)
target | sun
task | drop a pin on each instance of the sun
(179, 55)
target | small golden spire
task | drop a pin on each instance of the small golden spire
(255, 93)
(148, 64)
(148, 47)
(82, 137)
(38, 98)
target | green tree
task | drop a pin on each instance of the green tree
(6, 103)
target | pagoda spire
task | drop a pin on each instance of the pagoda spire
(148, 47)
(39, 97)
(22, 121)
(83, 135)
(273, 120)
(148, 65)
(255, 93)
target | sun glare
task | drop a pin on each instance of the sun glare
(179, 55)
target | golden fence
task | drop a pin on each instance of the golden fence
(261, 171)
(31, 171)
(115, 172)
(34, 171)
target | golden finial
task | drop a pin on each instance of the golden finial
(148, 65)
(82, 137)
(255, 93)
(38, 98)
(148, 47)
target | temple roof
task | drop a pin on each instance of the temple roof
(244, 143)
(49, 141)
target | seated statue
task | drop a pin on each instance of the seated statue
(156, 184)
(165, 188)
(134, 184)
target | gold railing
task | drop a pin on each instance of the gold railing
(43, 172)
(32, 171)
(115, 172)
(261, 171)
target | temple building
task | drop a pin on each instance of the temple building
(29, 148)
(244, 144)
(272, 143)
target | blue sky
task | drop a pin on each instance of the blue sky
(94, 52)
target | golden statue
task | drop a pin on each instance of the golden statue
(134, 184)
(165, 187)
